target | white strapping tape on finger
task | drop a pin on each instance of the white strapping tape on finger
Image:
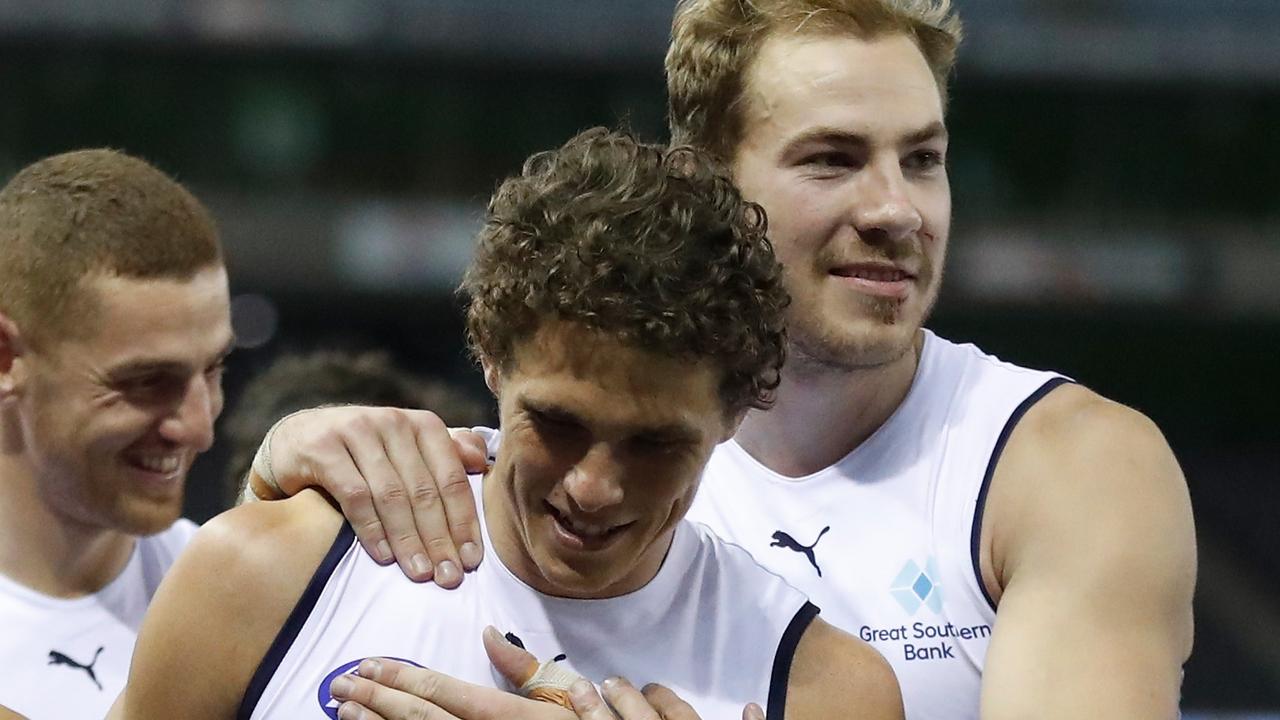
(551, 675)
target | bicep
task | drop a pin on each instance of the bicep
(221, 605)
(834, 674)
(184, 662)
(1095, 617)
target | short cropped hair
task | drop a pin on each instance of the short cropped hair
(654, 246)
(714, 44)
(93, 212)
(299, 381)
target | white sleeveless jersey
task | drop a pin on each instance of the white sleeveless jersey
(712, 624)
(69, 658)
(886, 540)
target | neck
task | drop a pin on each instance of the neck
(823, 414)
(46, 551)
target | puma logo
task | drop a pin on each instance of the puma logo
(781, 539)
(57, 658)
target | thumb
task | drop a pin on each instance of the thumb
(516, 664)
(752, 712)
(471, 449)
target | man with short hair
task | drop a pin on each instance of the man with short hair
(114, 322)
(626, 309)
(1014, 544)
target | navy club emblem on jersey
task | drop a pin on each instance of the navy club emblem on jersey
(915, 586)
(327, 703)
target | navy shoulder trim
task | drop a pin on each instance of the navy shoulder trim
(292, 626)
(782, 661)
(976, 533)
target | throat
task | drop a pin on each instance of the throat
(819, 418)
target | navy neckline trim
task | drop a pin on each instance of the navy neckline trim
(293, 625)
(782, 661)
(975, 535)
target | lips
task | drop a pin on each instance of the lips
(873, 272)
(581, 534)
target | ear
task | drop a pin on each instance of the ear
(11, 352)
(492, 376)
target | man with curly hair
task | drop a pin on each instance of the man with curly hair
(1016, 545)
(627, 311)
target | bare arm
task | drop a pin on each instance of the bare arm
(835, 675)
(220, 607)
(1091, 552)
(400, 477)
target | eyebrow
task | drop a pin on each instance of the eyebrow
(837, 136)
(673, 430)
(146, 366)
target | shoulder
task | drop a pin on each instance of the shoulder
(1087, 478)
(834, 674)
(223, 602)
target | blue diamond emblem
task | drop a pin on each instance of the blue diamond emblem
(922, 586)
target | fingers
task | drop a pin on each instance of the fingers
(363, 698)
(515, 664)
(399, 478)
(471, 449)
(752, 712)
(410, 504)
(588, 704)
(628, 701)
(668, 705)
(451, 508)
(397, 691)
(382, 446)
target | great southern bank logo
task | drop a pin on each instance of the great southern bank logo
(915, 586)
(327, 703)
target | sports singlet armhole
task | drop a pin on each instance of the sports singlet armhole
(975, 536)
(293, 625)
(781, 675)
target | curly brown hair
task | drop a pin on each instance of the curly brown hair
(650, 244)
(715, 42)
(93, 212)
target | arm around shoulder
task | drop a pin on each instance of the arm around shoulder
(836, 675)
(1092, 544)
(221, 606)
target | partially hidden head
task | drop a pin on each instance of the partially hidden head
(298, 381)
(831, 115)
(114, 321)
(627, 309)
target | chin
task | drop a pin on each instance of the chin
(147, 518)
(581, 580)
(857, 345)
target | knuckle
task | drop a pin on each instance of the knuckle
(392, 494)
(424, 494)
(455, 482)
(353, 494)
(440, 547)
(429, 421)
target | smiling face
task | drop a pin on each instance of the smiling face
(603, 445)
(111, 420)
(844, 145)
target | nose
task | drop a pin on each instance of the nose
(883, 209)
(595, 482)
(191, 422)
